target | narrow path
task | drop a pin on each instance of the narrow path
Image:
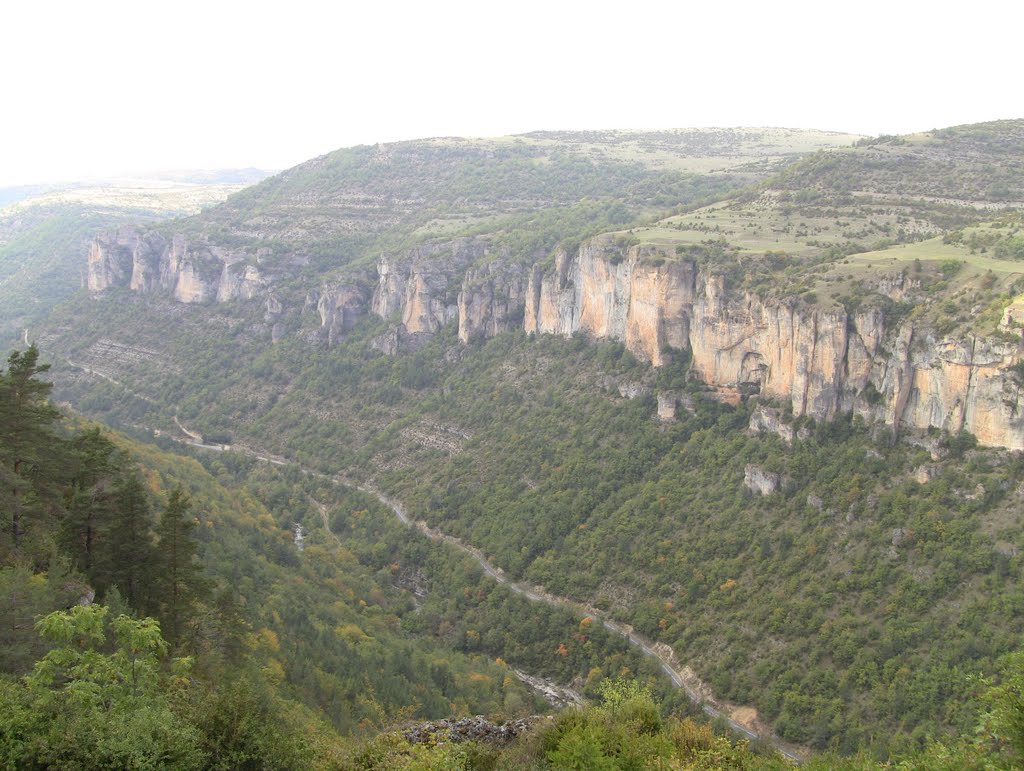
(198, 438)
(103, 376)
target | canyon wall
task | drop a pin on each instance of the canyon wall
(191, 273)
(820, 361)
(610, 294)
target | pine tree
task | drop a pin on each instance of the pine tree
(180, 580)
(90, 497)
(125, 554)
(26, 438)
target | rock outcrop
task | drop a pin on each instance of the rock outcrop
(340, 307)
(419, 288)
(467, 729)
(150, 263)
(820, 361)
(667, 403)
(608, 293)
(760, 481)
(492, 300)
(765, 420)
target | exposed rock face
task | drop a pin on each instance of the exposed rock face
(416, 288)
(760, 481)
(956, 385)
(667, 403)
(820, 361)
(492, 300)
(239, 281)
(633, 390)
(608, 294)
(467, 729)
(112, 260)
(340, 308)
(149, 263)
(765, 420)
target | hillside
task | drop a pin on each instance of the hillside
(762, 406)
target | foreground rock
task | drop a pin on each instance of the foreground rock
(468, 729)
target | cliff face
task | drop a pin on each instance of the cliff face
(492, 300)
(340, 308)
(819, 361)
(614, 295)
(419, 287)
(953, 384)
(112, 260)
(148, 263)
(783, 351)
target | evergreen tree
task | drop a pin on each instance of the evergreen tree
(90, 497)
(179, 582)
(26, 439)
(125, 558)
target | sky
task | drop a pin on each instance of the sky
(105, 88)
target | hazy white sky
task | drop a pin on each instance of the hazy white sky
(99, 88)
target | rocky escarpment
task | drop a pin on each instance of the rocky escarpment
(340, 307)
(419, 289)
(148, 263)
(492, 300)
(606, 293)
(817, 361)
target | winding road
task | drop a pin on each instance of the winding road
(681, 676)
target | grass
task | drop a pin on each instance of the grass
(765, 225)
(933, 250)
(696, 151)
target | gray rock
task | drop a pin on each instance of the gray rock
(469, 729)
(760, 481)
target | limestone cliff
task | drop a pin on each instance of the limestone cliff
(418, 289)
(818, 361)
(191, 273)
(492, 300)
(340, 307)
(610, 294)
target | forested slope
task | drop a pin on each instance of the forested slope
(737, 423)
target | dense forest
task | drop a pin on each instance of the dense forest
(123, 648)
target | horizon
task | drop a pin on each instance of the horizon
(157, 174)
(101, 91)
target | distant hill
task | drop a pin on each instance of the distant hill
(982, 162)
